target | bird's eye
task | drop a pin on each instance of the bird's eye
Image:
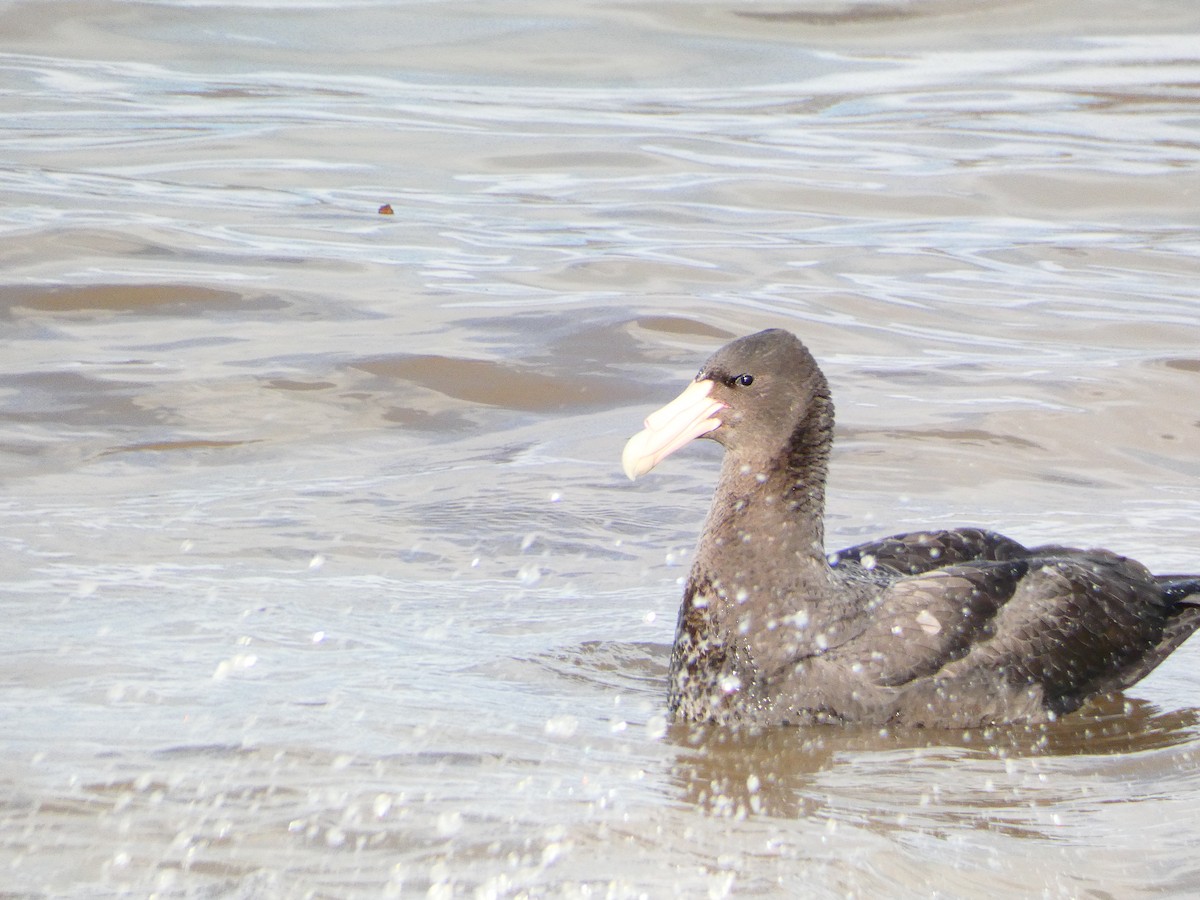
(745, 380)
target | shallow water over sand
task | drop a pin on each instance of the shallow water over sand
(322, 574)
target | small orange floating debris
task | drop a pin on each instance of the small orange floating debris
(386, 210)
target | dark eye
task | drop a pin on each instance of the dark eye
(745, 380)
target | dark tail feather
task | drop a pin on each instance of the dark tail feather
(1183, 590)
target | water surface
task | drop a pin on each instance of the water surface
(322, 576)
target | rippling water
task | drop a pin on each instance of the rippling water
(322, 576)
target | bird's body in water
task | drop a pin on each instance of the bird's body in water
(947, 628)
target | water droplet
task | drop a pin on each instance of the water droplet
(449, 823)
(561, 726)
(382, 805)
(529, 575)
(656, 727)
(227, 667)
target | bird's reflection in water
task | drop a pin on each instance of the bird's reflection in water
(785, 772)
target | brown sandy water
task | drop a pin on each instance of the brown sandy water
(320, 573)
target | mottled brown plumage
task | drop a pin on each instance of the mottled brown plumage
(957, 628)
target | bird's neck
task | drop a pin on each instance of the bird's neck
(757, 597)
(764, 534)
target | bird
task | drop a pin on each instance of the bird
(945, 628)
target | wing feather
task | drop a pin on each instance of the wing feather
(922, 623)
(924, 551)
